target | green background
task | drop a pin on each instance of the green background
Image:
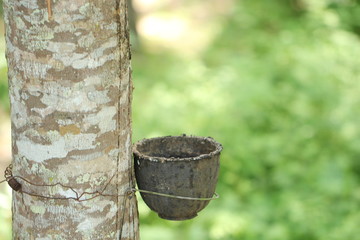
(277, 83)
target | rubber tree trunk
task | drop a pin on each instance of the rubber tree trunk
(70, 90)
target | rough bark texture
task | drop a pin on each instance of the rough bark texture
(70, 92)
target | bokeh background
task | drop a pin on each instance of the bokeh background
(277, 83)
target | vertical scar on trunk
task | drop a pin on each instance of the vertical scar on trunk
(49, 9)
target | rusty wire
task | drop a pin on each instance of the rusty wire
(16, 186)
(80, 197)
(215, 196)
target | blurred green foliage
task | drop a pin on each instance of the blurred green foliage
(279, 88)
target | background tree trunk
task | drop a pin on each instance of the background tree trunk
(70, 93)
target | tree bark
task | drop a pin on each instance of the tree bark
(70, 92)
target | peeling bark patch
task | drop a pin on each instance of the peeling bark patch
(103, 119)
(69, 129)
(33, 100)
(57, 149)
(37, 209)
(33, 69)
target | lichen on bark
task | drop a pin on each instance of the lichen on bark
(70, 92)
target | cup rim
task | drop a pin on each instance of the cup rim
(142, 156)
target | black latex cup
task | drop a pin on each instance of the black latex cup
(180, 166)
